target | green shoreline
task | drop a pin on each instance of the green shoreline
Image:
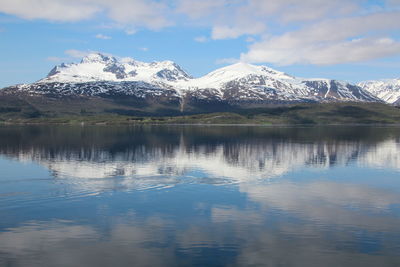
(300, 114)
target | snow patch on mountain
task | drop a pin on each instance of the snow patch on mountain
(388, 90)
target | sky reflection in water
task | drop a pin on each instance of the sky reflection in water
(163, 195)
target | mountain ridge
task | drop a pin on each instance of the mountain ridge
(386, 89)
(102, 75)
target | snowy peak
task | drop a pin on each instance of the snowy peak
(170, 71)
(98, 58)
(242, 69)
(388, 90)
(100, 67)
(239, 72)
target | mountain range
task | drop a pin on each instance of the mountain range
(164, 86)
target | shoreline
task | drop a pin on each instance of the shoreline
(297, 115)
(197, 124)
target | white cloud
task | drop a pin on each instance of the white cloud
(394, 3)
(198, 9)
(144, 49)
(306, 31)
(290, 31)
(353, 51)
(201, 39)
(102, 36)
(227, 19)
(250, 39)
(137, 13)
(232, 32)
(54, 10)
(130, 31)
(331, 42)
(231, 19)
(301, 10)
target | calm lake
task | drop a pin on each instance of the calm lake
(199, 195)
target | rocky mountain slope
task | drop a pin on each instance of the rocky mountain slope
(238, 84)
(388, 90)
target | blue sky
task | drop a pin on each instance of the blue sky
(348, 40)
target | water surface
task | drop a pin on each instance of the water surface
(197, 195)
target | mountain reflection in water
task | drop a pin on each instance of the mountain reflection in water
(198, 195)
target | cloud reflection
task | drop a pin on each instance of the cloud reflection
(259, 221)
(294, 225)
(62, 243)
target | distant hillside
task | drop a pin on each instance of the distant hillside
(100, 110)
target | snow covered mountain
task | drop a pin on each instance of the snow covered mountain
(99, 67)
(388, 90)
(246, 82)
(102, 75)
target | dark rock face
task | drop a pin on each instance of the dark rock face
(116, 69)
(169, 75)
(53, 71)
(173, 75)
(331, 90)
